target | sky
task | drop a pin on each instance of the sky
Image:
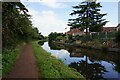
(52, 15)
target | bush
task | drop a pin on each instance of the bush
(117, 37)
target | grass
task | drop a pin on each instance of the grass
(8, 60)
(9, 57)
(50, 67)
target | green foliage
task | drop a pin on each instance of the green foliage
(78, 37)
(59, 38)
(8, 59)
(88, 16)
(52, 36)
(56, 46)
(36, 34)
(55, 36)
(40, 42)
(86, 38)
(117, 36)
(12, 28)
(101, 36)
(50, 67)
(69, 39)
(16, 25)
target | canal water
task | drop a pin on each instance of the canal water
(92, 64)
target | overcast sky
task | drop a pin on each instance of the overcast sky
(52, 15)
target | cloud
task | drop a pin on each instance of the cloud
(52, 4)
(67, 0)
(49, 3)
(47, 22)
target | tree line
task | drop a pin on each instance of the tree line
(16, 25)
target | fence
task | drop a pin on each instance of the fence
(102, 36)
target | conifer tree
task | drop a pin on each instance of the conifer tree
(88, 16)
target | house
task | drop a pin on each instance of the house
(118, 27)
(109, 29)
(75, 31)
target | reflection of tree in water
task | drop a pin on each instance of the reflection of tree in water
(117, 63)
(41, 43)
(91, 71)
(96, 55)
(117, 67)
(55, 46)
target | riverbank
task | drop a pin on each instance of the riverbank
(50, 67)
(94, 47)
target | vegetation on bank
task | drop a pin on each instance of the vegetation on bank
(8, 60)
(54, 36)
(50, 67)
(96, 40)
(17, 28)
(9, 57)
(117, 38)
(88, 15)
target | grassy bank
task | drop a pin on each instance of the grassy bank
(50, 67)
(9, 57)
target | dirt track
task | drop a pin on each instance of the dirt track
(25, 66)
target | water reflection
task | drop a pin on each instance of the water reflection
(91, 71)
(93, 64)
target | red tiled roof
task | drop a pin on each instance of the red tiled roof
(76, 30)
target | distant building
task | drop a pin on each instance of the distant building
(118, 27)
(75, 32)
(109, 29)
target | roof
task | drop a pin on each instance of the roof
(76, 30)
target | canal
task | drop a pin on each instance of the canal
(92, 64)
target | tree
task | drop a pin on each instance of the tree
(88, 16)
(16, 24)
(58, 38)
(10, 19)
(53, 36)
